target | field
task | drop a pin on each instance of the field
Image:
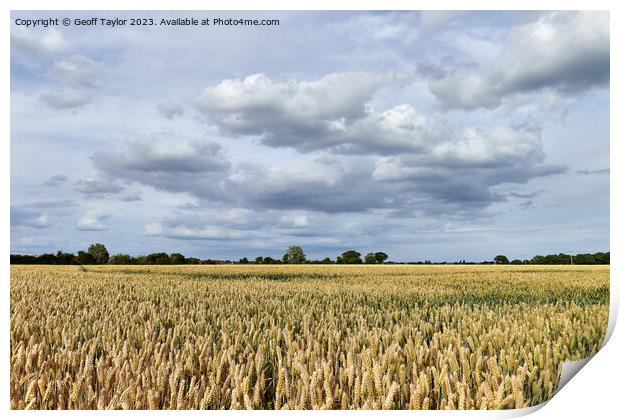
(291, 337)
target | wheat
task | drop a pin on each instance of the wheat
(298, 337)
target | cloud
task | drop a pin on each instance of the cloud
(65, 99)
(131, 197)
(35, 44)
(40, 214)
(306, 115)
(56, 180)
(431, 20)
(95, 185)
(77, 71)
(170, 110)
(164, 153)
(92, 220)
(565, 52)
(592, 171)
(183, 231)
(208, 222)
(324, 185)
(24, 216)
(423, 162)
(468, 169)
(168, 162)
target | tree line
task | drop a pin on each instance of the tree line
(98, 254)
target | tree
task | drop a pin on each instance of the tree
(159, 258)
(244, 260)
(501, 259)
(99, 253)
(370, 258)
(349, 257)
(84, 257)
(381, 257)
(258, 260)
(294, 255)
(64, 258)
(121, 259)
(176, 258)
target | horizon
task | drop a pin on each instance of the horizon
(251, 259)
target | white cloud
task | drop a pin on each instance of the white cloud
(77, 71)
(93, 220)
(291, 110)
(566, 52)
(35, 44)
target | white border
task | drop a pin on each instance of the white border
(593, 394)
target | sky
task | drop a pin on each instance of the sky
(426, 135)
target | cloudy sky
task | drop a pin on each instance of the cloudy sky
(433, 135)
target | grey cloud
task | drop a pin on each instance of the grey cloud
(56, 180)
(431, 70)
(54, 204)
(566, 52)
(24, 216)
(170, 110)
(131, 197)
(95, 185)
(459, 167)
(323, 185)
(164, 153)
(168, 162)
(65, 99)
(40, 214)
(526, 195)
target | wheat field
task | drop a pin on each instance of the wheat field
(299, 337)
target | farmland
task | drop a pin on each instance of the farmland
(299, 336)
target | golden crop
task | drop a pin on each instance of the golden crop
(290, 337)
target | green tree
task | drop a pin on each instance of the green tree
(121, 259)
(349, 257)
(501, 259)
(370, 258)
(176, 258)
(99, 253)
(159, 258)
(294, 255)
(258, 260)
(84, 257)
(381, 257)
(65, 258)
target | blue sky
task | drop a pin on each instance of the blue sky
(428, 135)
